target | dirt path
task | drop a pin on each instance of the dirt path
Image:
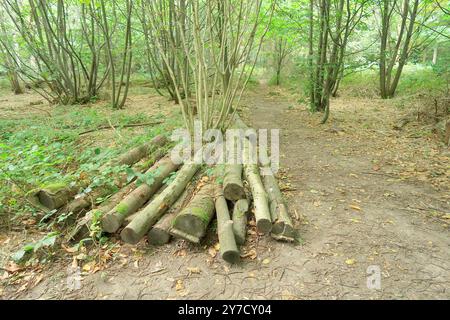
(350, 218)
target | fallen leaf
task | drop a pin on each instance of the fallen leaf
(212, 252)
(446, 216)
(250, 254)
(350, 262)
(180, 253)
(179, 286)
(266, 261)
(355, 207)
(12, 267)
(89, 266)
(217, 246)
(69, 250)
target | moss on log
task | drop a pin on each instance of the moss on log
(113, 220)
(148, 216)
(192, 222)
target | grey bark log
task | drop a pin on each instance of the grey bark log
(113, 220)
(240, 220)
(148, 216)
(228, 248)
(283, 228)
(82, 228)
(192, 222)
(233, 187)
(260, 200)
(85, 200)
(160, 233)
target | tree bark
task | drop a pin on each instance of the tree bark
(82, 229)
(57, 195)
(261, 203)
(112, 221)
(136, 154)
(85, 201)
(282, 224)
(228, 248)
(232, 183)
(160, 233)
(192, 222)
(147, 217)
(240, 220)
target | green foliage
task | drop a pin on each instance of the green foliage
(35, 152)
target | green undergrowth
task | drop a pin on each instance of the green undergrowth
(40, 151)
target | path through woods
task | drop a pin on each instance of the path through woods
(353, 212)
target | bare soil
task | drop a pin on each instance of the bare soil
(362, 194)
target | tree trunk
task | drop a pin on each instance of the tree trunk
(160, 233)
(262, 212)
(228, 248)
(112, 221)
(82, 229)
(85, 201)
(282, 224)
(147, 217)
(232, 183)
(240, 220)
(192, 222)
(136, 154)
(57, 195)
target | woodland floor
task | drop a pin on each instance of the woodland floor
(362, 194)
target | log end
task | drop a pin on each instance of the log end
(110, 223)
(234, 192)
(231, 256)
(264, 225)
(129, 236)
(47, 200)
(158, 237)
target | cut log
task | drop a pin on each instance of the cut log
(82, 228)
(160, 233)
(240, 220)
(283, 228)
(233, 187)
(148, 216)
(56, 195)
(260, 200)
(192, 222)
(112, 221)
(85, 200)
(134, 155)
(228, 248)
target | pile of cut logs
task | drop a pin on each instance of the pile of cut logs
(161, 210)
